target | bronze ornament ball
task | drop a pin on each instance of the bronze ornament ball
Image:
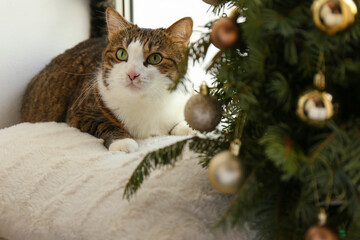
(224, 33)
(215, 2)
(332, 16)
(320, 233)
(203, 112)
(225, 172)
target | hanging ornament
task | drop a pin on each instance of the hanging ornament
(215, 2)
(225, 171)
(225, 32)
(203, 112)
(332, 16)
(320, 231)
(315, 107)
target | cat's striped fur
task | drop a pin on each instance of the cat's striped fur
(84, 86)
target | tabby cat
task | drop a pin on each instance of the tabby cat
(115, 88)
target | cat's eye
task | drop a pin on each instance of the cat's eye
(121, 54)
(154, 58)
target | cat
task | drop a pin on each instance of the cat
(115, 87)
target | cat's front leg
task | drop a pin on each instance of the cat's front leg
(128, 145)
(116, 137)
(182, 129)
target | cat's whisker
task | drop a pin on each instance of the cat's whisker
(87, 90)
(145, 80)
(85, 93)
(78, 74)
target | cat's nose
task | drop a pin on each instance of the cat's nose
(133, 75)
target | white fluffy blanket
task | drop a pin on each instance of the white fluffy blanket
(59, 183)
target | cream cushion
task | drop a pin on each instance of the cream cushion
(59, 183)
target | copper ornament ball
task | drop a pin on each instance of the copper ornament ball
(203, 112)
(215, 2)
(320, 233)
(224, 33)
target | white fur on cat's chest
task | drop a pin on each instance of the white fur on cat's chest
(145, 117)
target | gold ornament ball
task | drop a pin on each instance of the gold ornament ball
(203, 112)
(224, 33)
(320, 233)
(215, 2)
(225, 172)
(315, 107)
(332, 16)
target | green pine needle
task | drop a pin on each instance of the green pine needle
(162, 157)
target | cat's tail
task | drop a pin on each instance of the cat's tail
(97, 17)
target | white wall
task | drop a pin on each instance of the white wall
(32, 33)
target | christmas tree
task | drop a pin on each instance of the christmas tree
(295, 139)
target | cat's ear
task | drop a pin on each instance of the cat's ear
(181, 30)
(115, 22)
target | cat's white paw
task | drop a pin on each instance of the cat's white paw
(124, 145)
(183, 129)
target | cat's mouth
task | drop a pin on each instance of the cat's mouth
(133, 85)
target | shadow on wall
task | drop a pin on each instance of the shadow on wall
(33, 32)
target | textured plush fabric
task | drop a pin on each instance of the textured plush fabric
(59, 183)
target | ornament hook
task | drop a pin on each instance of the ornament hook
(235, 147)
(322, 216)
(319, 81)
(204, 89)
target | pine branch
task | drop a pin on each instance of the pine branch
(322, 146)
(162, 157)
(208, 148)
(282, 149)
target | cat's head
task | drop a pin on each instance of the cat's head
(140, 61)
